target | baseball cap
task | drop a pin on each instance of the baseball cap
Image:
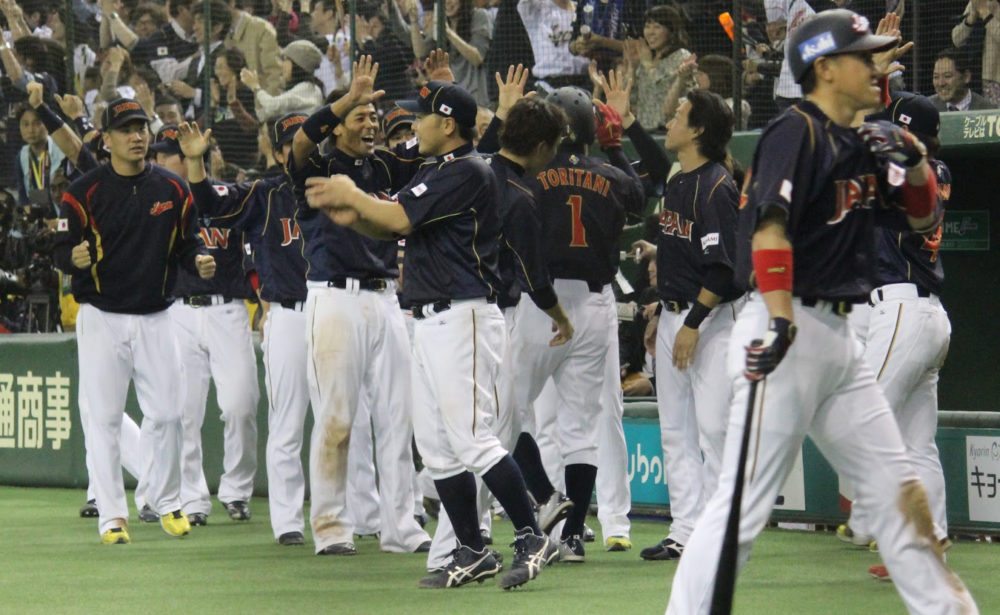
(166, 141)
(120, 111)
(447, 99)
(304, 54)
(917, 112)
(285, 127)
(831, 32)
(395, 119)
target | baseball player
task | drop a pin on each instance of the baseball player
(213, 337)
(81, 158)
(448, 212)
(905, 331)
(804, 235)
(694, 263)
(358, 346)
(582, 204)
(397, 127)
(264, 210)
(123, 229)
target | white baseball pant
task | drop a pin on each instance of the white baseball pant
(285, 361)
(694, 407)
(358, 345)
(215, 344)
(114, 349)
(133, 460)
(822, 389)
(906, 342)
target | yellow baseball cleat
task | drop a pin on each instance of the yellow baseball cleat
(617, 543)
(176, 523)
(116, 536)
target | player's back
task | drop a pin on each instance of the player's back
(582, 202)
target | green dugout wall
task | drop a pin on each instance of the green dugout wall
(41, 443)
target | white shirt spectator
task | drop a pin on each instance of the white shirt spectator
(794, 12)
(550, 30)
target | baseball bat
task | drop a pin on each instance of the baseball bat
(725, 574)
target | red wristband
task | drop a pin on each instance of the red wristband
(254, 281)
(773, 270)
(883, 86)
(920, 200)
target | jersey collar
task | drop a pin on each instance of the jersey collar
(510, 163)
(462, 150)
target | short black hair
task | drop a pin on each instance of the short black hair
(530, 122)
(221, 15)
(711, 113)
(467, 133)
(960, 59)
(808, 81)
(175, 5)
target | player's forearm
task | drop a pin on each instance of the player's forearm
(468, 51)
(379, 219)
(195, 169)
(920, 197)
(770, 239)
(557, 313)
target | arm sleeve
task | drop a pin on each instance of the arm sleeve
(70, 229)
(783, 181)
(654, 159)
(960, 33)
(481, 34)
(716, 220)
(442, 196)
(522, 235)
(402, 162)
(635, 204)
(226, 205)
(189, 242)
(270, 66)
(302, 96)
(489, 141)
(22, 193)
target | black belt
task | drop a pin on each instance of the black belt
(423, 310)
(363, 283)
(921, 292)
(204, 300)
(291, 304)
(840, 307)
(676, 306)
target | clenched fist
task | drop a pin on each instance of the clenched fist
(205, 265)
(80, 255)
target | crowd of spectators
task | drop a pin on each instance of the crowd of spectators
(260, 59)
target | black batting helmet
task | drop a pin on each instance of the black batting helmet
(828, 33)
(579, 108)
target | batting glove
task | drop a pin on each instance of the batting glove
(763, 355)
(609, 126)
(890, 141)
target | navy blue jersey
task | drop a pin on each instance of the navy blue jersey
(264, 210)
(452, 250)
(582, 201)
(521, 260)
(906, 256)
(831, 188)
(139, 228)
(334, 251)
(697, 229)
(230, 279)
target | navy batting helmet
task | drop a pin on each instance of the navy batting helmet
(579, 108)
(828, 33)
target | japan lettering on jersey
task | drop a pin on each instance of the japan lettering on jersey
(290, 231)
(672, 223)
(215, 238)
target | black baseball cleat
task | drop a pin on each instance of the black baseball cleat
(292, 539)
(198, 519)
(238, 510)
(667, 549)
(553, 510)
(424, 547)
(148, 515)
(571, 550)
(339, 548)
(465, 566)
(531, 553)
(89, 510)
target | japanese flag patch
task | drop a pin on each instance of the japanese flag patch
(786, 190)
(444, 109)
(419, 189)
(62, 224)
(221, 190)
(412, 143)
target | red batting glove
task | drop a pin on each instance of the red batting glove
(609, 126)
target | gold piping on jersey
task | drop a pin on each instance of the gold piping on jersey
(759, 412)
(892, 342)
(521, 262)
(166, 271)
(475, 384)
(479, 261)
(243, 204)
(812, 132)
(711, 193)
(694, 200)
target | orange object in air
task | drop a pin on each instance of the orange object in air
(727, 23)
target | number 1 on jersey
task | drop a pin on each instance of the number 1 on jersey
(579, 238)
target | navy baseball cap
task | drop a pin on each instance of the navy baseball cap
(121, 111)
(917, 112)
(285, 127)
(447, 99)
(395, 119)
(831, 32)
(166, 141)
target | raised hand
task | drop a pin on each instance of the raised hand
(192, 141)
(511, 90)
(886, 62)
(145, 97)
(250, 78)
(35, 91)
(609, 126)
(617, 86)
(438, 66)
(363, 83)
(71, 106)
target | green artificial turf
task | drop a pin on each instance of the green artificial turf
(52, 561)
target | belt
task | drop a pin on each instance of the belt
(205, 300)
(840, 307)
(675, 306)
(425, 310)
(289, 304)
(903, 290)
(376, 284)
